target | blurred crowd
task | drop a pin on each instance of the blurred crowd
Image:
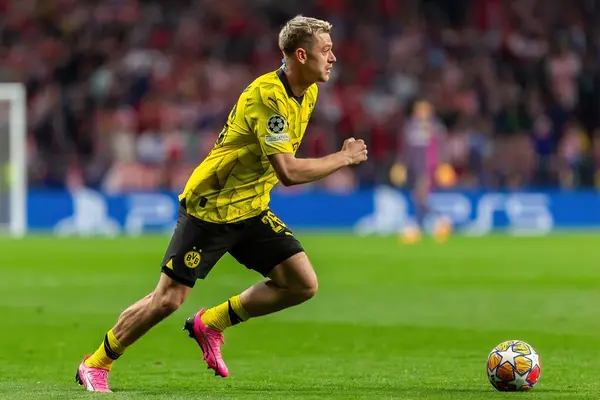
(131, 94)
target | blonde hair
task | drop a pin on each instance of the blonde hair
(300, 31)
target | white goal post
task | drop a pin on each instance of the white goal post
(13, 163)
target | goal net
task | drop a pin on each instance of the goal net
(13, 167)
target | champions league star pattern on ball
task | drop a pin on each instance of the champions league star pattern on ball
(513, 366)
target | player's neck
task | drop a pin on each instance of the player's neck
(297, 84)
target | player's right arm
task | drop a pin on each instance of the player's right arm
(295, 171)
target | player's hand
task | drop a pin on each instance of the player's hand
(355, 150)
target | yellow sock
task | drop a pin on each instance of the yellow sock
(225, 315)
(110, 349)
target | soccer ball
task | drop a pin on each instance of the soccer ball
(513, 366)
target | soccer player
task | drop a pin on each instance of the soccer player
(423, 134)
(225, 208)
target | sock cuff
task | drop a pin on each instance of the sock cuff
(113, 344)
(236, 306)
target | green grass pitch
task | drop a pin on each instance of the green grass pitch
(389, 321)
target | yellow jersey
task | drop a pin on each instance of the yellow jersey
(234, 181)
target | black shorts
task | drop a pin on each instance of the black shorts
(259, 243)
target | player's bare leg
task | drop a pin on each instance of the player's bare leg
(132, 324)
(290, 283)
(442, 227)
(420, 195)
(136, 320)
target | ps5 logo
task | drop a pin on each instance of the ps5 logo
(519, 213)
(516, 213)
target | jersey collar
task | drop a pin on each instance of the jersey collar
(286, 84)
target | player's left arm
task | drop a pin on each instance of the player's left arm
(295, 171)
(268, 119)
(269, 122)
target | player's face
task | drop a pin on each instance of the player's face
(423, 110)
(320, 59)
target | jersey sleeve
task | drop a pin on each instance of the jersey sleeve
(267, 115)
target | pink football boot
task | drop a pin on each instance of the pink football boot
(210, 342)
(93, 379)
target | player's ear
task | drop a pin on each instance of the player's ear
(301, 55)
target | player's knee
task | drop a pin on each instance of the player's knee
(167, 306)
(167, 303)
(310, 291)
(306, 291)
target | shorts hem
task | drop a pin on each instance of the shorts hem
(276, 261)
(171, 274)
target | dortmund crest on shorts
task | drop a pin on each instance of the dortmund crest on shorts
(276, 124)
(192, 258)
